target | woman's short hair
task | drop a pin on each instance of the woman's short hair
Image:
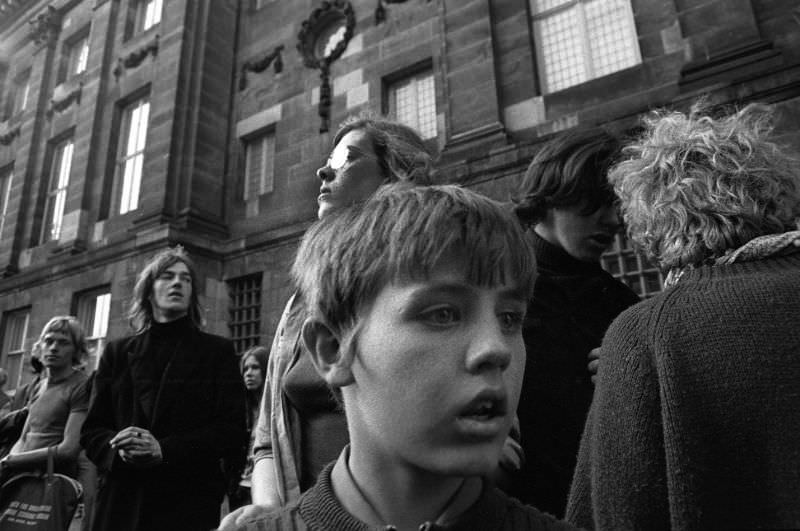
(402, 153)
(141, 310)
(69, 325)
(404, 232)
(261, 355)
(693, 187)
(569, 170)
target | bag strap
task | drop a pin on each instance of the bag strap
(51, 457)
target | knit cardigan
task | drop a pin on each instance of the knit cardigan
(695, 422)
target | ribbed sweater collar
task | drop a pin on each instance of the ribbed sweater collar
(172, 330)
(320, 509)
(556, 261)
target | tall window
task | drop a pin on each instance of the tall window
(412, 101)
(6, 178)
(148, 14)
(579, 40)
(259, 168)
(15, 330)
(633, 269)
(93, 308)
(77, 56)
(245, 311)
(57, 191)
(132, 142)
(20, 92)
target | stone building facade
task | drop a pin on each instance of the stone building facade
(130, 125)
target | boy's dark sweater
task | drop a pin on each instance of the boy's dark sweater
(318, 509)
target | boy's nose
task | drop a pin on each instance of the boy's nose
(490, 348)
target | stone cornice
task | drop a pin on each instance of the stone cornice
(135, 58)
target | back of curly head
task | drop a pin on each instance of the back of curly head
(693, 187)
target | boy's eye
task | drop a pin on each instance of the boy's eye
(440, 316)
(511, 321)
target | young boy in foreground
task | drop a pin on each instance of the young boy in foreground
(416, 300)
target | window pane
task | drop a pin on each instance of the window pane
(14, 333)
(624, 264)
(561, 49)
(412, 101)
(78, 56)
(578, 40)
(6, 177)
(259, 165)
(610, 35)
(150, 13)
(244, 311)
(93, 313)
(102, 309)
(55, 201)
(135, 120)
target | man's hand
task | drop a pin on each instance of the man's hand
(242, 515)
(594, 363)
(137, 446)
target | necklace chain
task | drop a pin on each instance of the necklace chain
(376, 513)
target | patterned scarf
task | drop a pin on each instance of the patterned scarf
(755, 249)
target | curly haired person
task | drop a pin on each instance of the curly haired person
(694, 422)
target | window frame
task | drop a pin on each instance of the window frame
(415, 76)
(631, 268)
(6, 181)
(144, 21)
(19, 94)
(244, 310)
(546, 86)
(57, 188)
(86, 305)
(76, 55)
(129, 165)
(266, 178)
(16, 351)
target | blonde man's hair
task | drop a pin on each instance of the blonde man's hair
(72, 327)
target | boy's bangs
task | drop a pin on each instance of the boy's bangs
(483, 235)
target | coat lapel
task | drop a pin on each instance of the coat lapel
(140, 372)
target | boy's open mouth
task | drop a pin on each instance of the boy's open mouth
(486, 405)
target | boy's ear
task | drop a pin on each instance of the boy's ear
(324, 346)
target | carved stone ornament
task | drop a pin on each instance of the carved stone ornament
(261, 65)
(322, 39)
(135, 58)
(45, 26)
(65, 93)
(8, 131)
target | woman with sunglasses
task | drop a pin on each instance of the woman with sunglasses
(301, 427)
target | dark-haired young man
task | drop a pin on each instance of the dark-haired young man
(164, 409)
(566, 200)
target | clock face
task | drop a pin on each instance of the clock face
(329, 38)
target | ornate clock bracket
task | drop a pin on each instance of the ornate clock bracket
(322, 39)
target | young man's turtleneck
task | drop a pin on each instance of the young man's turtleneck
(165, 339)
(171, 330)
(554, 260)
